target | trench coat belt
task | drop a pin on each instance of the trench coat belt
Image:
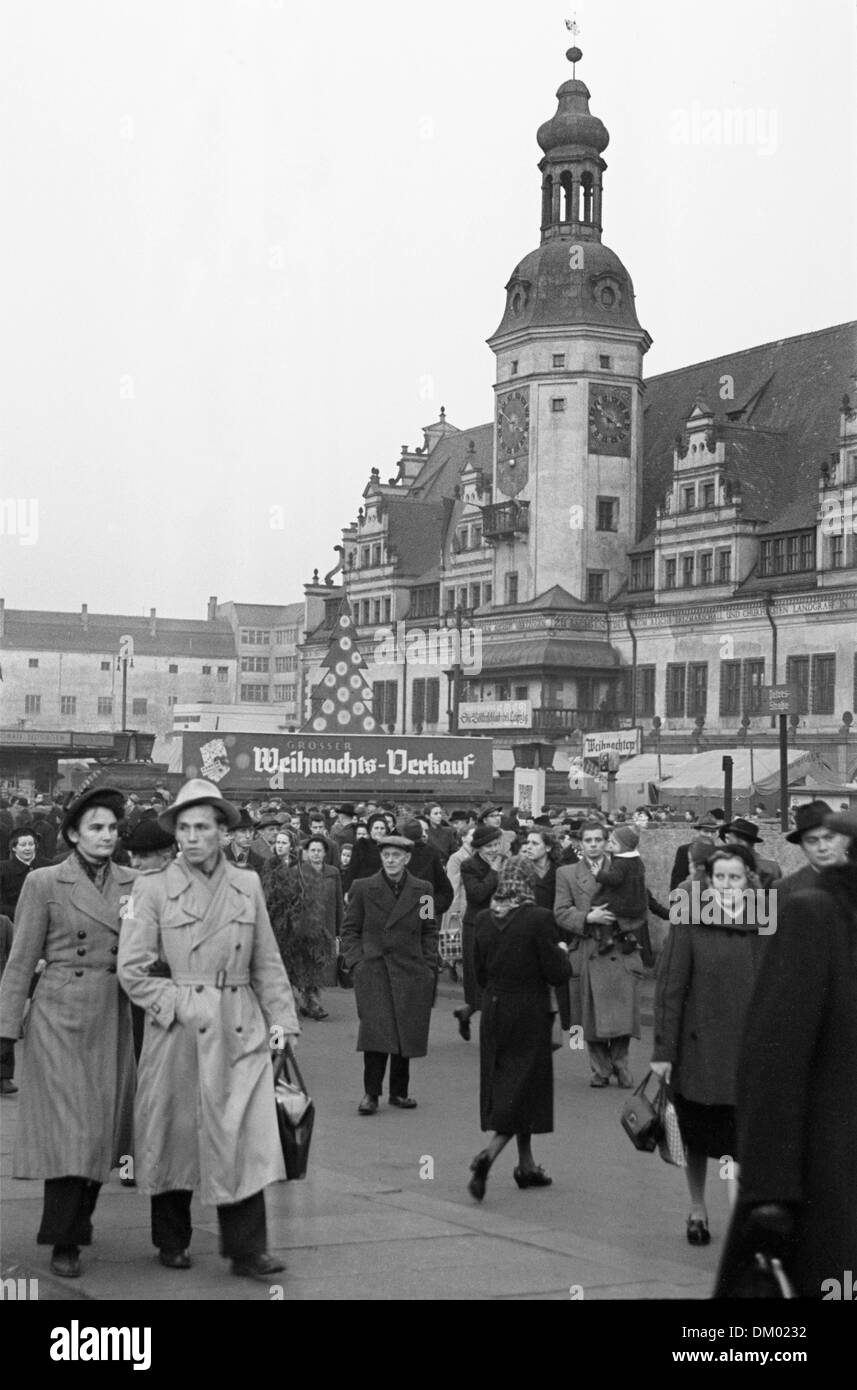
(222, 980)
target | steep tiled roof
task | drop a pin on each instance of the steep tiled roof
(787, 395)
(415, 533)
(444, 464)
(552, 600)
(49, 631)
(268, 614)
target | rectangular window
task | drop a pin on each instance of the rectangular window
(807, 551)
(697, 688)
(174, 670)
(646, 690)
(385, 701)
(823, 684)
(376, 553)
(105, 665)
(669, 573)
(797, 674)
(512, 587)
(487, 594)
(687, 571)
(255, 663)
(607, 514)
(283, 663)
(206, 670)
(365, 552)
(284, 694)
(837, 552)
(418, 703)
(504, 690)
(778, 556)
(105, 704)
(708, 495)
(792, 554)
(449, 602)
(688, 495)
(172, 700)
(557, 404)
(425, 701)
(675, 690)
(388, 608)
(462, 597)
(255, 637)
(706, 567)
(223, 673)
(596, 585)
(284, 636)
(475, 595)
(33, 663)
(522, 692)
(476, 535)
(642, 572)
(724, 566)
(139, 708)
(514, 367)
(425, 600)
(376, 612)
(68, 704)
(605, 363)
(32, 704)
(754, 680)
(730, 687)
(255, 694)
(559, 359)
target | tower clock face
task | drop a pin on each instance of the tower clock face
(610, 420)
(513, 441)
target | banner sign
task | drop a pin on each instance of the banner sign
(626, 742)
(308, 763)
(495, 714)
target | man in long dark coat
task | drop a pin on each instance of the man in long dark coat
(823, 848)
(389, 940)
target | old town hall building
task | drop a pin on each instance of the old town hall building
(613, 550)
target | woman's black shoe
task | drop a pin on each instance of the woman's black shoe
(65, 1261)
(531, 1177)
(697, 1231)
(480, 1168)
(463, 1016)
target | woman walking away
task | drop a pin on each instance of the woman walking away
(705, 982)
(304, 903)
(516, 960)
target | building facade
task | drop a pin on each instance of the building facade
(615, 550)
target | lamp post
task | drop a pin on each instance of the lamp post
(656, 730)
(123, 661)
(453, 622)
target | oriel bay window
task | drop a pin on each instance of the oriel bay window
(425, 601)
(642, 572)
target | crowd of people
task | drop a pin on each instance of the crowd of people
(155, 946)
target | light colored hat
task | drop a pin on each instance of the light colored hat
(199, 792)
(396, 842)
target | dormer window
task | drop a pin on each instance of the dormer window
(688, 499)
(708, 495)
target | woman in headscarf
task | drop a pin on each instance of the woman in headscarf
(366, 859)
(516, 960)
(304, 900)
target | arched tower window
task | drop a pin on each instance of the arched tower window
(567, 186)
(547, 201)
(586, 197)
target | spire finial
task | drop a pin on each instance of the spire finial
(574, 54)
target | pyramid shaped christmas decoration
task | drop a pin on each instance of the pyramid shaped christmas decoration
(341, 702)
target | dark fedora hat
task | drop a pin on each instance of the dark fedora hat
(147, 837)
(485, 835)
(246, 821)
(745, 828)
(346, 809)
(109, 797)
(809, 817)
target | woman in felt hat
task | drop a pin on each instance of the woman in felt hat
(304, 900)
(516, 960)
(77, 1072)
(479, 880)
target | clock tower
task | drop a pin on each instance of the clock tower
(568, 393)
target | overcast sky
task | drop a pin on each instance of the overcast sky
(250, 247)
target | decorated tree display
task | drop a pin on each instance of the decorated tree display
(341, 702)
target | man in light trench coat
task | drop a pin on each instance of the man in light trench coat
(390, 939)
(198, 954)
(610, 983)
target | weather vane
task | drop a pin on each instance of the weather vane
(574, 54)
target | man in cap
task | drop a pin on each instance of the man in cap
(77, 1071)
(389, 940)
(823, 846)
(743, 832)
(205, 1115)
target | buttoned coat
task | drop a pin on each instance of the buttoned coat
(77, 1060)
(610, 983)
(391, 942)
(205, 1115)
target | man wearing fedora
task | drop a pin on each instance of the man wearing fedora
(240, 851)
(707, 828)
(739, 831)
(823, 847)
(205, 1116)
(77, 1071)
(389, 940)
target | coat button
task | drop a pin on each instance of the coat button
(81, 950)
(81, 936)
(199, 989)
(78, 973)
(239, 1029)
(234, 989)
(111, 969)
(202, 1030)
(114, 950)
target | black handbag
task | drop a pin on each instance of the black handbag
(295, 1114)
(640, 1120)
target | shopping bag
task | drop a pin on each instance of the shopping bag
(295, 1114)
(670, 1144)
(640, 1119)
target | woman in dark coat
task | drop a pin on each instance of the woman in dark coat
(516, 959)
(705, 982)
(304, 902)
(797, 1094)
(366, 859)
(479, 880)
